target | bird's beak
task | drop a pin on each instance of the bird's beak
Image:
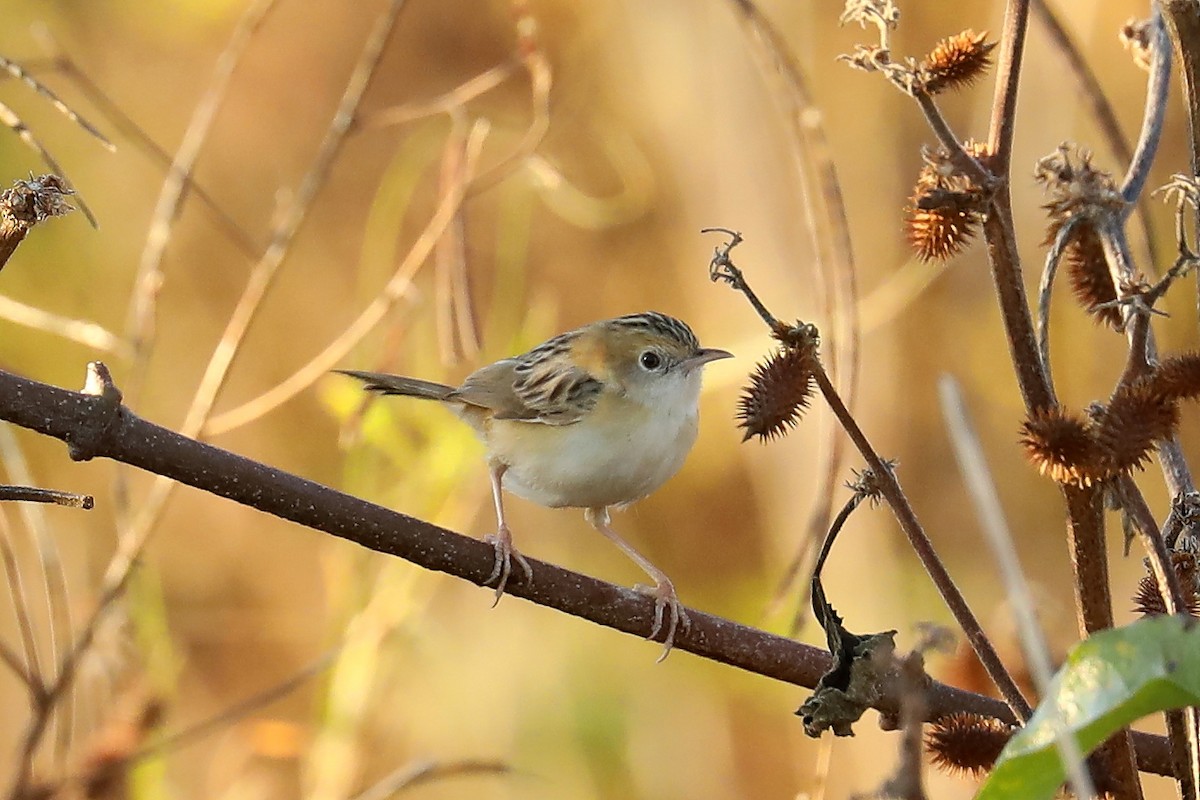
(705, 355)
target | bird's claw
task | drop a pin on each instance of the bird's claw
(501, 541)
(664, 596)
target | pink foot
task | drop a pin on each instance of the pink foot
(501, 540)
(664, 599)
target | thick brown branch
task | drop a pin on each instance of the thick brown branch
(89, 424)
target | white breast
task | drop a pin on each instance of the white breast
(619, 453)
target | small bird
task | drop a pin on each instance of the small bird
(594, 418)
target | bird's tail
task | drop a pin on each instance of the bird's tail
(397, 384)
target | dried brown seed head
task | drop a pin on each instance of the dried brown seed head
(1178, 376)
(956, 62)
(1061, 446)
(1075, 186)
(778, 393)
(1137, 417)
(967, 743)
(1087, 270)
(1149, 601)
(946, 207)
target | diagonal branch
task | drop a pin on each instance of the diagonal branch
(94, 426)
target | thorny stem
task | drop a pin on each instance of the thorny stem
(891, 491)
(1085, 520)
(722, 268)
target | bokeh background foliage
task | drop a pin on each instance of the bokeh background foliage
(659, 123)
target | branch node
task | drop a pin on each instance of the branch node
(86, 443)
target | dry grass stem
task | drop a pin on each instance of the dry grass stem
(371, 316)
(148, 282)
(973, 465)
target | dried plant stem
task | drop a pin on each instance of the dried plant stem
(949, 140)
(1008, 78)
(1093, 603)
(14, 662)
(371, 316)
(144, 302)
(833, 255)
(1099, 106)
(1155, 111)
(61, 62)
(60, 631)
(32, 666)
(923, 547)
(262, 276)
(33, 494)
(541, 80)
(196, 731)
(1010, 291)
(1181, 724)
(1182, 18)
(86, 333)
(446, 103)
(978, 478)
(421, 772)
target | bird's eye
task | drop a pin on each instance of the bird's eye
(650, 360)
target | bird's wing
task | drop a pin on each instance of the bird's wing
(534, 387)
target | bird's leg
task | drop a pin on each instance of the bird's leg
(663, 591)
(502, 539)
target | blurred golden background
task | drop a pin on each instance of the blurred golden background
(660, 123)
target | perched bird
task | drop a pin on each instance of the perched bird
(594, 418)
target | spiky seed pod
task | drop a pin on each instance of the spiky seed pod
(1149, 601)
(1087, 269)
(1075, 186)
(939, 232)
(1061, 446)
(946, 208)
(956, 62)
(1178, 376)
(778, 393)
(1137, 416)
(966, 743)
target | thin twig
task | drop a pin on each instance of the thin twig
(32, 666)
(148, 281)
(541, 80)
(1181, 724)
(61, 62)
(722, 268)
(262, 276)
(1155, 112)
(60, 627)
(1045, 288)
(1008, 79)
(422, 772)
(89, 334)
(371, 316)
(442, 104)
(174, 741)
(34, 494)
(832, 255)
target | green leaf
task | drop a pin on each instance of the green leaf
(1109, 680)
